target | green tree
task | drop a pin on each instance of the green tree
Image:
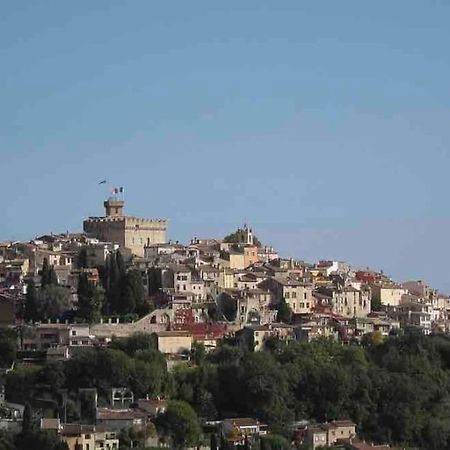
(214, 444)
(233, 238)
(90, 299)
(136, 342)
(82, 258)
(27, 421)
(275, 442)
(7, 441)
(179, 423)
(39, 440)
(154, 280)
(228, 306)
(8, 347)
(31, 309)
(198, 353)
(45, 273)
(110, 283)
(52, 277)
(284, 313)
(53, 301)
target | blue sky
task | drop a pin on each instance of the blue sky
(323, 124)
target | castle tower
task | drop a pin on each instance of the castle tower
(129, 232)
(113, 207)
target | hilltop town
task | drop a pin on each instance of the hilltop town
(109, 334)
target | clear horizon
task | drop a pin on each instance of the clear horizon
(323, 125)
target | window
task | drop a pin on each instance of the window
(302, 305)
(74, 332)
(287, 295)
(305, 296)
(294, 294)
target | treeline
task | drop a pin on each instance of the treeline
(120, 292)
(396, 391)
(134, 363)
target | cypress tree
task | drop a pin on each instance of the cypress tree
(213, 441)
(31, 311)
(52, 277)
(284, 312)
(27, 421)
(82, 258)
(120, 263)
(45, 273)
(90, 299)
(84, 293)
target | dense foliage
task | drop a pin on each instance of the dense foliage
(233, 238)
(124, 290)
(396, 390)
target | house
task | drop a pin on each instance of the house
(388, 294)
(418, 288)
(267, 254)
(298, 295)
(97, 252)
(78, 436)
(329, 433)
(152, 406)
(365, 325)
(119, 419)
(236, 260)
(182, 278)
(313, 329)
(254, 305)
(226, 278)
(256, 336)
(82, 437)
(240, 429)
(174, 342)
(346, 301)
(208, 334)
(414, 314)
(250, 255)
(49, 335)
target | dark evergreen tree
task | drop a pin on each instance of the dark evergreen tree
(127, 303)
(45, 273)
(213, 441)
(284, 313)
(120, 263)
(31, 310)
(90, 299)
(111, 284)
(52, 277)
(82, 262)
(27, 421)
(154, 280)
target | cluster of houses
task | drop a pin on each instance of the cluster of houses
(203, 292)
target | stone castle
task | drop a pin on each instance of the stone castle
(130, 232)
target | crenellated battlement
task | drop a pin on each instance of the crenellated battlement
(127, 231)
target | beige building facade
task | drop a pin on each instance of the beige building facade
(388, 294)
(130, 232)
(174, 342)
